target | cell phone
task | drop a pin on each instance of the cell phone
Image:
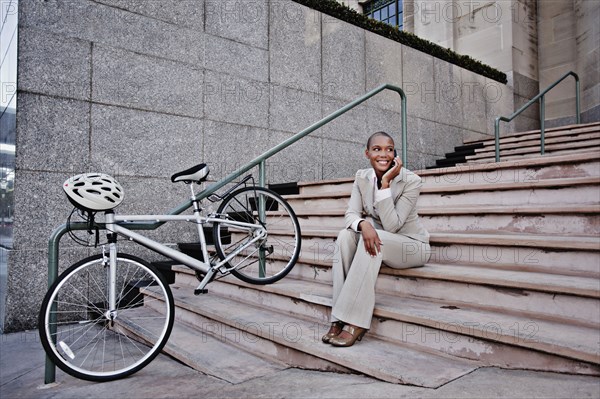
(393, 163)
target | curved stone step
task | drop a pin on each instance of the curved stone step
(387, 361)
(205, 352)
(491, 338)
(526, 332)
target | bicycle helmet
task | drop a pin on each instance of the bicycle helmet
(93, 191)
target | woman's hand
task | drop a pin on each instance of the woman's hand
(391, 174)
(370, 238)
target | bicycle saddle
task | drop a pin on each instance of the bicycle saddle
(198, 174)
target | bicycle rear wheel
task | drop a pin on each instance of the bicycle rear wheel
(267, 260)
(88, 340)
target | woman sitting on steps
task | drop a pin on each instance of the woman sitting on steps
(382, 225)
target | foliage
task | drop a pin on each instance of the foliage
(347, 14)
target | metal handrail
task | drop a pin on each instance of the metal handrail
(539, 97)
(57, 234)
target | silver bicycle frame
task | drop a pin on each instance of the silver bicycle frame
(112, 225)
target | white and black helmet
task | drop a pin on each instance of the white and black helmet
(94, 191)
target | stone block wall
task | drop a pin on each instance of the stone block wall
(143, 89)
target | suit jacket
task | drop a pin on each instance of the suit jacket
(397, 214)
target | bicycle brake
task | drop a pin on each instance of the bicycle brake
(268, 249)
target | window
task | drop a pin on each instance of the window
(388, 11)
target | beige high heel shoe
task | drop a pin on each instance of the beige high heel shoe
(356, 334)
(334, 330)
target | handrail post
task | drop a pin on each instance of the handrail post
(577, 99)
(53, 250)
(497, 137)
(542, 125)
(262, 174)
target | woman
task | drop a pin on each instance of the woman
(382, 225)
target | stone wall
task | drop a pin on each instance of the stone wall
(142, 89)
(570, 41)
(500, 33)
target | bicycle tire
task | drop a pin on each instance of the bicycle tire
(74, 325)
(268, 260)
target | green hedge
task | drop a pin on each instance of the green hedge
(344, 13)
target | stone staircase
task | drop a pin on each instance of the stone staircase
(513, 280)
(559, 140)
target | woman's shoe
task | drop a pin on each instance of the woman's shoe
(334, 330)
(353, 334)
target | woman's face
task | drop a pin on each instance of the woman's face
(381, 154)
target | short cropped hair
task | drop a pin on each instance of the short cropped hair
(377, 134)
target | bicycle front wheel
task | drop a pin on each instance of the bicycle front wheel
(269, 259)
(87, 339)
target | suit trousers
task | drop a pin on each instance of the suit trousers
(355, 272)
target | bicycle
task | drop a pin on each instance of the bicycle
(109, 315)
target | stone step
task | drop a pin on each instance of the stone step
(553, 131)
(519, 171)
(498, 327)
(556, 136)
(322, 202)
(560, 296)
(571, 299)
(486, 284)
(532, 155)
(487, 153)
(582, 220)
(562, 220)
(568, 191)
(207, 352)
(578, 243)
(316, 259)
(535, 142)
(326, 186)
(571, 255)
(392, 362)
(551, 192)
(542, 241)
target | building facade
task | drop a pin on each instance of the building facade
(534, 42)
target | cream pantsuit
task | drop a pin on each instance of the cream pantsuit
(405, 243)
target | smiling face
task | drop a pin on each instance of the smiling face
(381, 154)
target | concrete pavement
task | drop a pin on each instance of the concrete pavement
(22, 376)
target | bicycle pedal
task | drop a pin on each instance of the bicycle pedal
(202, 291)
